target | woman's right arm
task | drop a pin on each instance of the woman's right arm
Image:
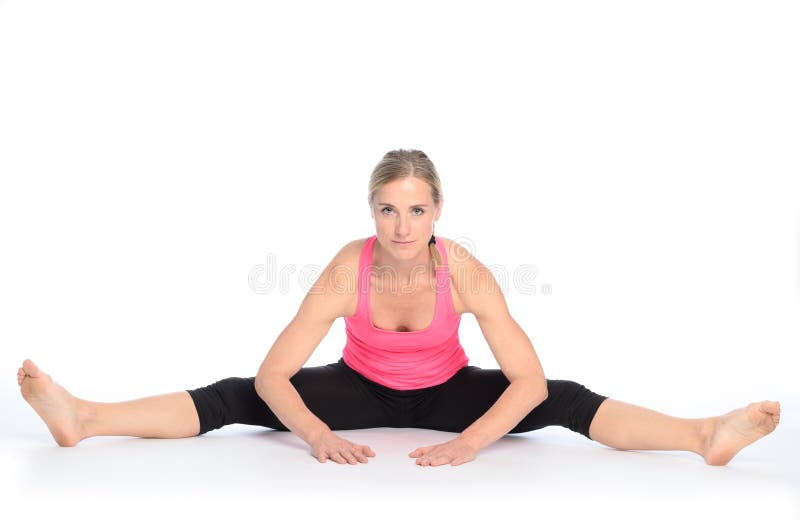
(322, 305)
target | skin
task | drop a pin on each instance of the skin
(617, 424)
(404, 210)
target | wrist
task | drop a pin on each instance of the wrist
(471, 439)
(316, 434)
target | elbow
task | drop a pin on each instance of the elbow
(536, 388)
(543, 395)
(540, 390)
(260, 382)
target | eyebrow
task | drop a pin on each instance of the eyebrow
(392, 205)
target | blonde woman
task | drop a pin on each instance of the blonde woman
(401, 292)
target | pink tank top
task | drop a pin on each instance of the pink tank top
(404, 360)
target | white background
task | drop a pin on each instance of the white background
(642, 157)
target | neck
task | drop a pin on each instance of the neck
(405, 270)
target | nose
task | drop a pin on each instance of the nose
(401, 227)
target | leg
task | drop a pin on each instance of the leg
(456, 404)
(330, 392)
(717, 439)
(624, 426)
(70, 419)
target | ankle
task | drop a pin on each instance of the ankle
(705, 430)
(87, 415)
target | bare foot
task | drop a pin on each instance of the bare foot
(729, 433)
(57, 407)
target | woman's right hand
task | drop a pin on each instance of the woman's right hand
(328, 445)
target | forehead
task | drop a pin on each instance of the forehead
(409, 189)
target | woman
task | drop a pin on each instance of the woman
(401, 293)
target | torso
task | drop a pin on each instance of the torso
(394, 308)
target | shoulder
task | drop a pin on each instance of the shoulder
(455, 252)
(344, 263)
(347, 253)
(459, 258)
(339, 280)
(474, 284)
(350, 252)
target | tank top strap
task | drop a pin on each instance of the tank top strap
(443, 253)
(444, 305)
(443, 283)
(364, 264)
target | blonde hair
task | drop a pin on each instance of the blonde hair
(403, 163)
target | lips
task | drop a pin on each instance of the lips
(402, 242)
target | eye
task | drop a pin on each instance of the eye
(420, 210)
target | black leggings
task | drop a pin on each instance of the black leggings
(344, 399)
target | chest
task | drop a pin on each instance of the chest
(402, 307)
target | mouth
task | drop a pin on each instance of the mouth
(402, 242)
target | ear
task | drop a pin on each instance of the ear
(439, 210)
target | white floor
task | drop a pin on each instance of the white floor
(243, 475)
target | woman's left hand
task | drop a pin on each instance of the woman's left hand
(454, 452)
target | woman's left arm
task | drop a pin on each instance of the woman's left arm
(514, 353)
(481, 295)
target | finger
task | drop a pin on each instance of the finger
(425, 460)
(367, 452)
(421, 450)
(436, 459)
(348, 456)
(360, 456)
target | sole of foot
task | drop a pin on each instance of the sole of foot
(52, 402)
(733, 431)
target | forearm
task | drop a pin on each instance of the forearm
(518, 399)
(285, 402)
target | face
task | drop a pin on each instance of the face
(404, 211)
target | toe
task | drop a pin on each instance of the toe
(30, 368)
(770, 407)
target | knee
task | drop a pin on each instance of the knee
(564, 390)
(214, 403)
(578, 403)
